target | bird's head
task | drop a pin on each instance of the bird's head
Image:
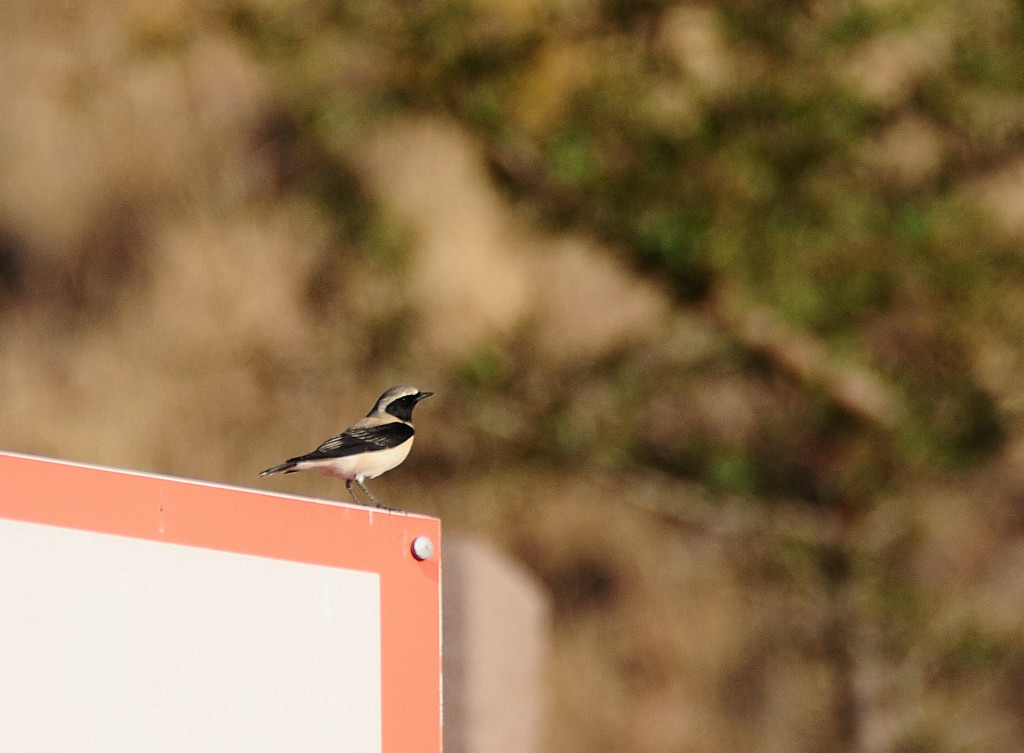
(399, 402)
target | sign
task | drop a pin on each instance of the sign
(142, 612)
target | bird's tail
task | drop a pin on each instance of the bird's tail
(285, 467)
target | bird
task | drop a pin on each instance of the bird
(371, 446)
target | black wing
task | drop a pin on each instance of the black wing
(354, 441)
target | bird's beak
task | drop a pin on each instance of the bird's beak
(423, 395)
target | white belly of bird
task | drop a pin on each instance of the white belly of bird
(363, 466)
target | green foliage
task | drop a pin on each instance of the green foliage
(760, 181)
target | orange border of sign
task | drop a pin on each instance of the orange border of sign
(234, 519)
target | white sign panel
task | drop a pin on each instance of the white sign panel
(114, 644)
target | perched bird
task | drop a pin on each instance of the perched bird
(369, 447)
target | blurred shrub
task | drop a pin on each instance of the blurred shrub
(814, 159)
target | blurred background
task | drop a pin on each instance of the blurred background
(723, 305)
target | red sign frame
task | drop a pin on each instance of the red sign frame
(247, 521)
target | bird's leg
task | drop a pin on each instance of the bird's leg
(368, 494)
(348, 485)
